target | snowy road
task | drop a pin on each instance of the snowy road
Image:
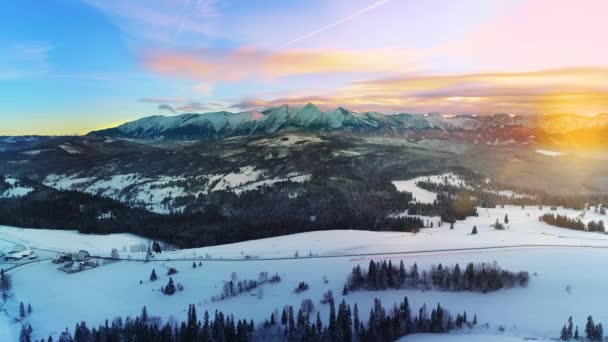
(361, 255)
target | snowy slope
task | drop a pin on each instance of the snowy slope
(116, 289)
(158, 193)
(557, 259)
(15, 189)
(69, 240)
(425, 196)
(310, 118)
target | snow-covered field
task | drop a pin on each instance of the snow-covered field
(68, 240)
(425, 196)
(563, 281)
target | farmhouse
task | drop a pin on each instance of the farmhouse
(60, 259)
(82, 255)
(76, 267)
(18, 255)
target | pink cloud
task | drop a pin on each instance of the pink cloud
(536, 34)
(250, 63)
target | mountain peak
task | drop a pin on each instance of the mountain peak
(310, 118)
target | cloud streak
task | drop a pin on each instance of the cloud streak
(161, 21)
(23, 60)
(569, 90)
(337, 23)
(212, 65)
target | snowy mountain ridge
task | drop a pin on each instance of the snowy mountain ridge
(217, 125)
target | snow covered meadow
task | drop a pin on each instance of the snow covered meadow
(563, 282)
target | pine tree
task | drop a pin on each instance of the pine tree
(153, 276)
(564, 334)
(474, 231)
(193, 264)
(144, 314)
(290, 319)
(590, 328)
(24, 335)
(170, 288)
(344, 291)
(570, 328)
(332, 318)
(356, 318)
(506, 219)
(284, 317)
(5, 283)
(319, 323)
(598, 332)
(402, 274)
(21, 310)
(452, 225)
(29, 308)
(576, 333)
(456, 277)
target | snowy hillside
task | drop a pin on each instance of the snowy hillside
(118, 291)
(559, 286)
(158, 193)
(13, 188)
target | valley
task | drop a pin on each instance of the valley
(323, 259)
(303, 203)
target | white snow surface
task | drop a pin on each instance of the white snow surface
(69, 149)
(232, 180)
(537, 311)
(425, 196)
(467, 336)
(69, 240)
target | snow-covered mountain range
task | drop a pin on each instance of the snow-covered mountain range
(217, 125)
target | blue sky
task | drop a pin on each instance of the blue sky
(71, 66)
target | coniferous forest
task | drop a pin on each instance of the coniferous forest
(474, 277)
(344, 325)
(218, 218)
(566, 222)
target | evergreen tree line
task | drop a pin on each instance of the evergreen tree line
(222, 217)
(483, 197)
(343, 325)
(564, 221)
(487, 196)
(593, 332)
(475, 277)
(449, 207)
(234, 287)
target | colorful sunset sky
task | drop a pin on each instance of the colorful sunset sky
(72, 66)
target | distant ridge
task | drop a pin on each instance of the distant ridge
(223, 124)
